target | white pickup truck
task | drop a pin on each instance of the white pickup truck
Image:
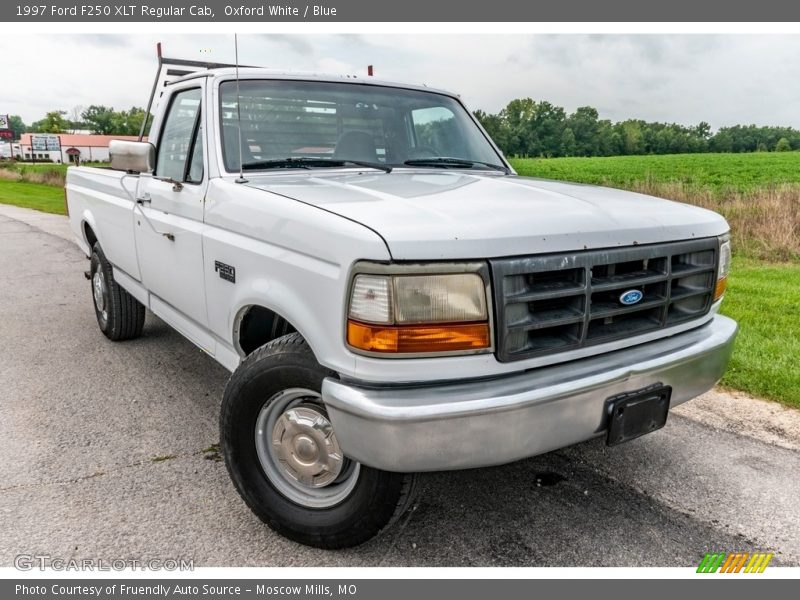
(388, 294)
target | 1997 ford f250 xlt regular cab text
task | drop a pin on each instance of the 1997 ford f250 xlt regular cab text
(388, 294)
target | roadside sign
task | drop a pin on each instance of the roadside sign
(6, 134)
(43, 143)
(5, 122)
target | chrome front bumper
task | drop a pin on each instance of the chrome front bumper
(491, 422)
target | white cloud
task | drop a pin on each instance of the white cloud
(722, 79)
(332, 65)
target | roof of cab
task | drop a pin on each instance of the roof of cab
(263, 73)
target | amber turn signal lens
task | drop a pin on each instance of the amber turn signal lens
(722, 284)
(418, 338)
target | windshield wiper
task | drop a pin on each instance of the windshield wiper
(311, 162)
(447, 161)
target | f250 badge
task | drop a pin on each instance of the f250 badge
(226, 272)
(631, 297)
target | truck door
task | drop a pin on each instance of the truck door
(170, 225)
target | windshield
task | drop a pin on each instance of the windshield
(338, 123)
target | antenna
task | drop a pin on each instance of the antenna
(241, 178)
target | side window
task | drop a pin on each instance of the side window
(435, 129)
(179, 137)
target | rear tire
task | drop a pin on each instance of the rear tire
(120, 316)
(284, 459)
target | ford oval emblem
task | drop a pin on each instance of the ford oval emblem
(631, 297)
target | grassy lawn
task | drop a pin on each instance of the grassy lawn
(765, 299)
(45, 173)
(37, 167)
(46, 198)
(758, 193)
(717, 173)
(45, 167)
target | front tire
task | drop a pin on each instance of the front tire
(120, 316)
(283, 457)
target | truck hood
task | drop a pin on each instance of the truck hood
(455, 215)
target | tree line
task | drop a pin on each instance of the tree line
(524, 128)
(527, 128)
(98, 119)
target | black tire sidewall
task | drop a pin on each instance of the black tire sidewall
(126, 314)
(99, 263)
(368, 508)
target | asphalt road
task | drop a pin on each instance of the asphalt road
(108, 453)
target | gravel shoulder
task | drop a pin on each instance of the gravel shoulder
(744, 415)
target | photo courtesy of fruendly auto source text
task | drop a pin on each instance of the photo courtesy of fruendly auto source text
(399, 300)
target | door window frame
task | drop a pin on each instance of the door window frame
(193, 139)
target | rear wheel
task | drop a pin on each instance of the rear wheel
(120, 316)
(283, 456)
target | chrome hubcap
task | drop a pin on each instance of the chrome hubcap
(299, 452)
(99, 293)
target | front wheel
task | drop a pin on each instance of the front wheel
(283, 456)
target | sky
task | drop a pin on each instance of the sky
(720, 79)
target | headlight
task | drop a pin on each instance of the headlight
(724, 267)
(418, 313)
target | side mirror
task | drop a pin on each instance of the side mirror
(139, 157)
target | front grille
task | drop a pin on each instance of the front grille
(558, 302)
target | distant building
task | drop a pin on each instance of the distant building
(73, 147)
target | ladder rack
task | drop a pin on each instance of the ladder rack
(164, 77)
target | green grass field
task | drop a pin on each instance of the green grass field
(758, 193)
(765, 299)
(46, 198)
(37, 167)
(45, 167)
(764, 295)
(718, 173)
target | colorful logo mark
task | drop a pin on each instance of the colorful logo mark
(631, 297)
(738, 562)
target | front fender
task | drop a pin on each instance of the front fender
(283, 301)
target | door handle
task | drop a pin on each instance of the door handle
(145, 199)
